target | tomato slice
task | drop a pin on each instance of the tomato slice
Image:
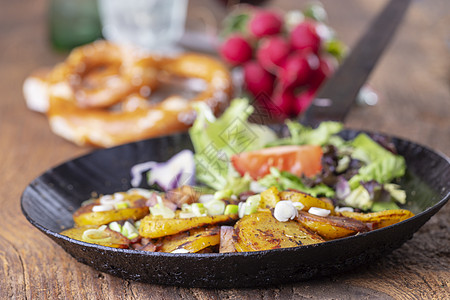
(299, 160)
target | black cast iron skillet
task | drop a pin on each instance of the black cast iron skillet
(49, 201)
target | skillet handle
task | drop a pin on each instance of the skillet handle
(337, 95)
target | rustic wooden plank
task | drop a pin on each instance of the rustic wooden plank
(12, 285)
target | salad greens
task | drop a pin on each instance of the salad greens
(303, 135)
(380, 164)
(216, 139)
(283, 180)
(357, 173)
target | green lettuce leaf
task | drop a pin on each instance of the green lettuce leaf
(397, 194)
(215, 140)
(359, 198)
(303, 135)
(381, 165)
(283, 180)
(238, 185)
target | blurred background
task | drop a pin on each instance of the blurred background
(36, 34)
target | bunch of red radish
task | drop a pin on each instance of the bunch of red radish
(282, 63)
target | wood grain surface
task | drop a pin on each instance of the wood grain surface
(412, 79)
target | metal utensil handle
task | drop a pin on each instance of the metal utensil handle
(338, 94)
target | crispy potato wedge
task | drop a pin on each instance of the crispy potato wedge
(156, 226)
(380, 219)
(307, 200)
(261, 231)
(331, 227)
(269, 198)
(194, 240)
(110, 237)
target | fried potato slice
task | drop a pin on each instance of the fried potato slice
(380, 219)
(194, 240)
(307, 200)
(106, 217)
(331, 227)
(156, 226)
(106, 237)
(261, 231)
(137, 210)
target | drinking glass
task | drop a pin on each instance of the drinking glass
(150, 24)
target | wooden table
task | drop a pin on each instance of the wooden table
(412, 80)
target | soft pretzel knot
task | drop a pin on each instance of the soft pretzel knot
(100, 94)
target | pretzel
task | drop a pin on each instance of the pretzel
(84, 107)
(97, 75)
